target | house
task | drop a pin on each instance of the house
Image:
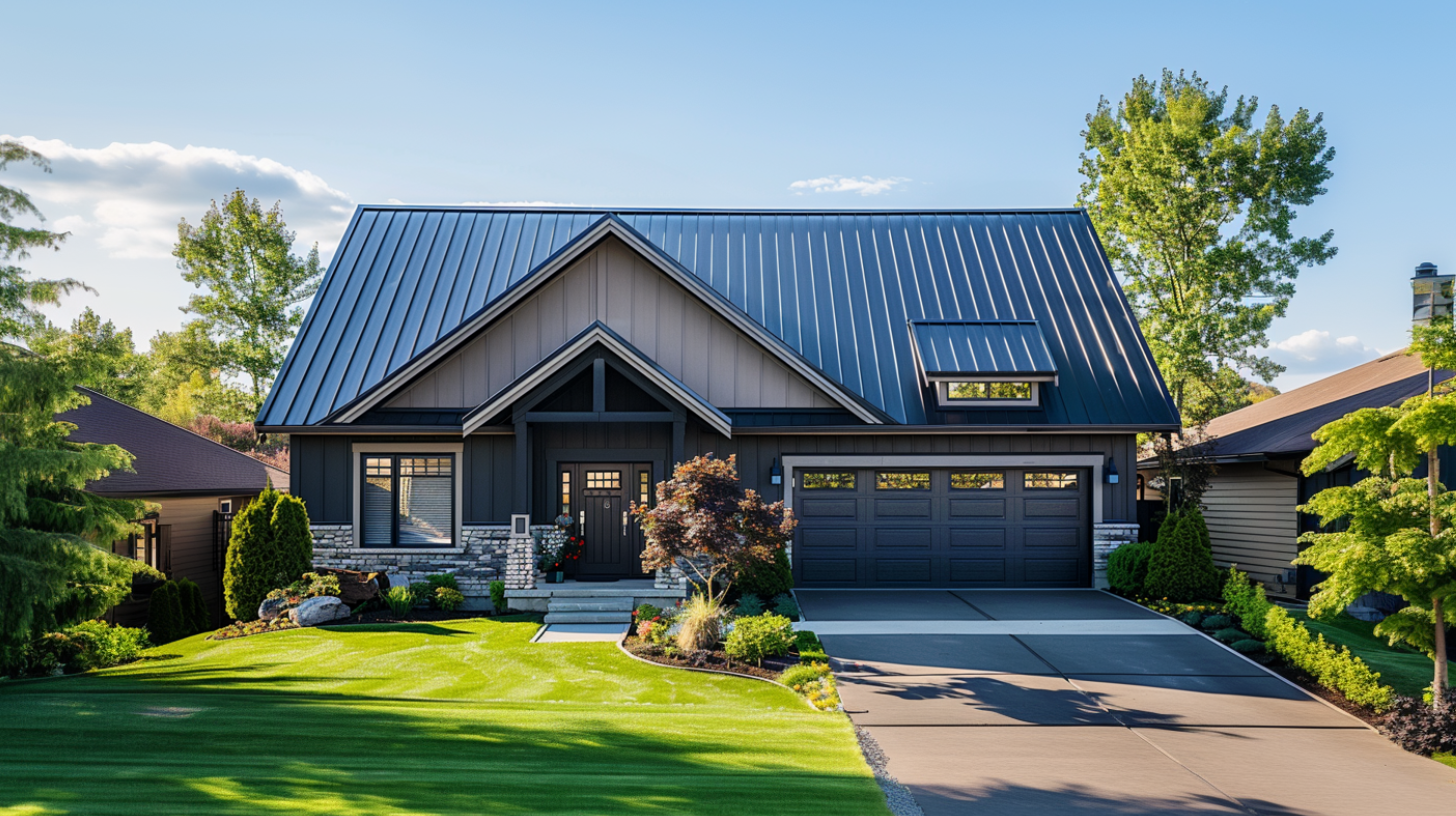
(198, 484)
(942, 398)
(1253, 496)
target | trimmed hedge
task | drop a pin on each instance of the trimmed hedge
(1127, 568)
(1330, 666)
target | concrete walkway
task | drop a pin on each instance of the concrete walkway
(1084, 703)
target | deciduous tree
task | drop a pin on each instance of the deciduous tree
(97, 355)
(1195, 205)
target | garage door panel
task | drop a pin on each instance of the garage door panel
(901, 537)
(830, 570)
(988, 538)
(1050, 570)
(884, 532)
(1052, 508)
(978, 508)
(978, 570)
(902, 508)
(902, 571)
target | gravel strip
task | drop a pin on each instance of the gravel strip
(897, 796)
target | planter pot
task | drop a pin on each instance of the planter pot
(555, 577)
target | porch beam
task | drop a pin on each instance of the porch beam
(598, 416)
(521, 498)
(679, 431)
(599, 385)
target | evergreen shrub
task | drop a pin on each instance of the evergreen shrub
(1181, 568)
(766, 579)
(271, 547)
(194, 608)
(1215, 622)
(749, 606)
(760, 637)
(1127, 568)
(498, 595)
(166, 618)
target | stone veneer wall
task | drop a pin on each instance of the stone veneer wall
(481, 560)
(1107, 537)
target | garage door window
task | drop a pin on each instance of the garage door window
(902, 481)
(824, 480)
(978, 480)
(1050, 480)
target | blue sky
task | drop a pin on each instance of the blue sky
(150, 110)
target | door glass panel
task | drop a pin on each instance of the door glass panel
(1050, 480)
(566, 492)
(644, 487)
(902, 481)
(823, 480)
(603, 480)
(978, 480)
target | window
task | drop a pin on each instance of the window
(902, 481)
(225, 506)
(1055, 480)
(566, 492)
(978, 480)
(817, 480)
(972, 391)
(644, 487)
(604, 480)
(408, 500)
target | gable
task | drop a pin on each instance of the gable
(614, 285)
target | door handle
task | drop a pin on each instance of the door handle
(624, 522)
(581, 528)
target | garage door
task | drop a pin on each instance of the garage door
(942, 527)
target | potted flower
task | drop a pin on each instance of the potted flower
(554, 551)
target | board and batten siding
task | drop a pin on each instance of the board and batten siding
(617, 286)
(1252, 521)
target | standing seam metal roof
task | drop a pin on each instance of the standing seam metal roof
(985, 347)
(838, 287)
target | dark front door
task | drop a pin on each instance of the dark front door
(597, 497)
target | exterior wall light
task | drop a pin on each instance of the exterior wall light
(775, 473)
(1111, 471)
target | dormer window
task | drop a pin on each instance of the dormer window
(983, 363)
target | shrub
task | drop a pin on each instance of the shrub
(1127, 568)
(1245, 599)
(98, 645)
(1181, 568)
(1192, 617)
(1420, 727)
(760, 637)
(795, 676)
(700, 623)
(400, 599)
(257, 627)
(449, 599)
(749, 606)
(1216, 622)
(786, 605)
(1229, 634)
(271, 546)
(166, 619)
(765, 579)
(808, 646)
(646, 612)
(424, 593)
(1166, 527)
(1248, 646)
(194, 608)
(1331, 667)
(444, 579)
(293, 539)
(498, 595)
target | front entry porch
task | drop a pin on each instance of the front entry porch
(591, 601)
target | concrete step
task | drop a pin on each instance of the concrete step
(589, 617)
(590, 605)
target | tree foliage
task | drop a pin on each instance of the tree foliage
(20, 294)
(242, 257)
(97, 355)
(1195, 205)
(705, 523)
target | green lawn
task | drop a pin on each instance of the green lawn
(1406, 670)
(457, 717)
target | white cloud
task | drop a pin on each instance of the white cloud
(864, 185)
(1320, 352)
(128, 198)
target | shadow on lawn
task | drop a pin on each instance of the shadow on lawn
(416, 628)
(324, 754)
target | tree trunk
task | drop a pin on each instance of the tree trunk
(1438, 684)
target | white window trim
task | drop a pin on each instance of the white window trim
(942, 395)
(1094, 462)
(359, 448)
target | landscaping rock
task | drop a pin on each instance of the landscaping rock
(271, 608)
(356, 587)
(315, 611)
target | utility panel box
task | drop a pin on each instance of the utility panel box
(1431, 294)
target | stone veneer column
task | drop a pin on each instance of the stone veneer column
(1107, 537)
(521, 562)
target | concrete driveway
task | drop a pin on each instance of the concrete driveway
(1078, 702)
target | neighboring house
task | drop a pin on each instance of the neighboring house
(198, 484)
(943, 398)
(1251, 502)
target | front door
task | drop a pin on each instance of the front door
(597, 498)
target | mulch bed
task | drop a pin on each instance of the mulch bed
(420, 616)
(716, 660)
(1299, 678)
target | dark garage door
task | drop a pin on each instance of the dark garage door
(939, 527)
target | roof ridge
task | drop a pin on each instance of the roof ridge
(492, 208)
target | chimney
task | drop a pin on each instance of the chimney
(1431, 294)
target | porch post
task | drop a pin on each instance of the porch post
(679, 429)
(521, 497)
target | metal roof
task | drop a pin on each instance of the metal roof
(947, 348)
(838, 288)
(169, 459)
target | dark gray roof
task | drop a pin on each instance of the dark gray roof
(838, 288)
(169, 459)
(981, 347)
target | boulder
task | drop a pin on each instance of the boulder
(271, 608)
(355, 587)
(315, 611)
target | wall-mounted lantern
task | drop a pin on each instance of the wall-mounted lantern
(1111, 471)
(775, 473)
